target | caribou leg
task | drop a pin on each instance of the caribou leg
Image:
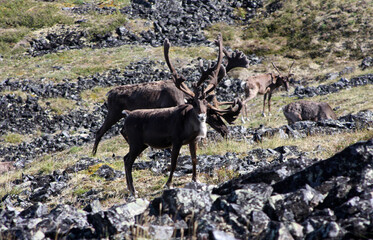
(193, 155)
(269, 103)
(129, 159)
(111, 118)
(264, 105)
(174, 156)
(124, 134)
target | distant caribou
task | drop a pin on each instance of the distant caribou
(308, 110)
(265, 84)
(174, 126)
(163, 94)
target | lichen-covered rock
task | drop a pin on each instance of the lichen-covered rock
(292, 197)
(182, 202)
(343, 83)
(117, 219)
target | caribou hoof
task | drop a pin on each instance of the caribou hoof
(167, 185)
(132, 196)
(263, 114)
(243, 120)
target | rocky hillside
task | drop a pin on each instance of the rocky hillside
(267, 180)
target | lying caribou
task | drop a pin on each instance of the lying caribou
(264, 85)
(163, 94)
(308, 110)
(174, 126)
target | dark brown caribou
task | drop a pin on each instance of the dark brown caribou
(174, 126)
(163, 94)
(160, 94)
(265, 84)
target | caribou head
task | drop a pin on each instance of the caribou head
(280, 79)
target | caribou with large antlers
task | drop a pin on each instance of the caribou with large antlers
(163, 94)
(174, 126)
(160, 94)
(264, 85)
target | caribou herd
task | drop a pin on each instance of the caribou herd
(169, 114)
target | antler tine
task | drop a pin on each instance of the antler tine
(213, 79)
(219, 111)
(236, 59)
(231, 113)
(178, 79)
(226, 53)
(204, 73)
(290, 68)
(166, 49)
(276, 68)
(220, 57)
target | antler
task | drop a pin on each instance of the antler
(178, 79)
(236, 59)
(276, 68)
(213, 77)
(290, 68)
(206, 73)
(229, 114)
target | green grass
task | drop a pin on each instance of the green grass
(85, 62)
(316, 27)
(99, 24)
(34, 14)
(321, 36)
(97, 94)
(75, 149)
(80, 191)
(13, 138)
(99, 3)
(82, 62)
(58, 106)
(16, 28)
(18, 18)
(349, 100)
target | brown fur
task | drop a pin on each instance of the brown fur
(166, 127)
(163, 128)
(158, 94)
(6, 166)
(308, 110)
(163, 94)
(264, 85)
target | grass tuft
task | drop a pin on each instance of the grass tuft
(58, 106)
(13, 138)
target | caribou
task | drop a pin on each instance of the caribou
(164, 93)
(308, 110)
(160, 94)
(174, 126)
(265, 84)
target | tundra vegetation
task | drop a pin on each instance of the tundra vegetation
(322, 37)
